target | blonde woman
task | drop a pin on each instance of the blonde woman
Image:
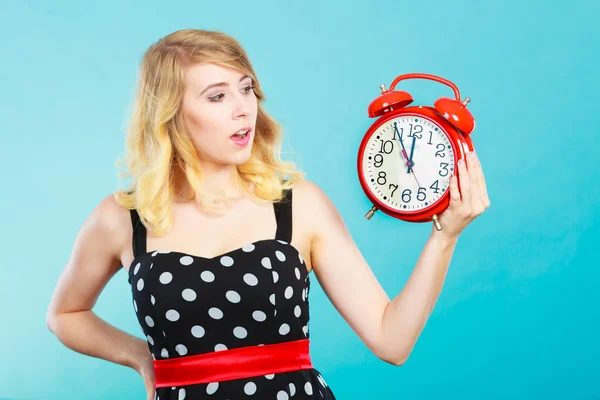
(217, 258)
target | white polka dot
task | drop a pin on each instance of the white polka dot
(181, 394)
(164, 334)
(270, 376)
(181, 349)
(259, 316)
(300, 258)
(233, 296)
(155, 253)
(297, 271)
(149, 321)
(150, 340)
(250, 388)
(280, 256)
(297, 311)
(186, 260)
(140, 284)
(275, 276)
(220, 347)
(137, 268)
(281, 395)
(305, 330)
(282, 242)
(215, 313)
(172, 315)
(308, 389)
(292, 389)
(165, 277)
(135, 306)
(212, 387)
(266, 262)
(151, 265)
(188, 294)
(304, 294)
(207, 276)
(288, 292)
(284, 329)
(197, 331)
(240, 332)
(248, 248)
(164, 353)
(152, 299)
(250, 279)
(272, 298)
(226, 261)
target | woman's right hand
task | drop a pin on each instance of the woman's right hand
(145, 367)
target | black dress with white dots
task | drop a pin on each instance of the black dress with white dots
(254, 295)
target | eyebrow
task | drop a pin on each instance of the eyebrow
(220, 84)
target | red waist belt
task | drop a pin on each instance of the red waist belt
(243, 362)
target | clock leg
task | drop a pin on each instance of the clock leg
(436, 222)
(371, 212)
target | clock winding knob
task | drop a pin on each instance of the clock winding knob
(436, 222)
(371, 212)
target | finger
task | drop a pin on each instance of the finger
(481, 181)
(465, 184)
(454, 192)
(473, 167)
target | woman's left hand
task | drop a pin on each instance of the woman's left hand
(467, 203)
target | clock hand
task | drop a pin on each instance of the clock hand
(403, 151)
(412, 150)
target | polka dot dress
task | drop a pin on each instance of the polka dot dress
(251, 296)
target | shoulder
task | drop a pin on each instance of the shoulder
(112, 221)
(313, 206)
(307, 194)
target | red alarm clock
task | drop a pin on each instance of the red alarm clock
(407, 156)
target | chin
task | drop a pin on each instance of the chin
(240, 158)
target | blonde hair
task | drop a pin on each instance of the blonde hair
(157, 142)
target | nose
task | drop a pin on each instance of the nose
(241, 107)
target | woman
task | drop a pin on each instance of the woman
(217, 258)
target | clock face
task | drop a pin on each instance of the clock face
(398, 142)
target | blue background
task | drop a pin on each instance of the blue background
(519, 314)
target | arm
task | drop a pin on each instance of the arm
(94, 261)
(389, 328)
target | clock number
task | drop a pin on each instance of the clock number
(378, 161)
(393, 186)
(430, 135)
(421, 193)
(435, 186)
(440, 150)
(406, 194)
(420, 129)
(396, 132)
(444, 167)
(384, 146)
(380, 177)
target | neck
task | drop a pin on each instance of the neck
(217, 180)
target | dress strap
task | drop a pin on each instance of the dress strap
(139, 234)
(283, 215)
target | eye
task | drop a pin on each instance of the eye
(249, 88)
(216, 98)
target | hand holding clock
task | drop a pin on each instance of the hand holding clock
(467, 203)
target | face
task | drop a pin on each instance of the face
(218, 102)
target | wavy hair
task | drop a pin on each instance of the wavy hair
(157, 142)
